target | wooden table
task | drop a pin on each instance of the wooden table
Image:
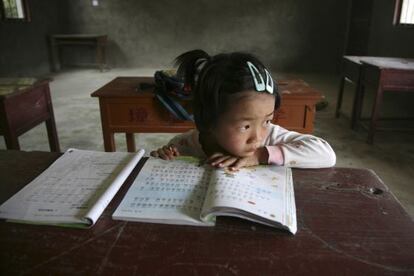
(125, 108)
(382, 73)
(348, 223)
(58, 41)
(22, 109)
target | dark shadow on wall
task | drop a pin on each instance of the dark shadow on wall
(23, 47)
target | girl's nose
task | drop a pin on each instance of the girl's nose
(256, 136)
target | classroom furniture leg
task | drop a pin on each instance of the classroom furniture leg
(357, 105)
(52, 135)
(375, 114)
(130, 140)
(101, 54)
(11, 139)
(51, 124)
(109, 141)
(54, 55)
(340, 95)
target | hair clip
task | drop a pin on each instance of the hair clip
(269, 82)
(259, 82)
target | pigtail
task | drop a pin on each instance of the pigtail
(189, 65)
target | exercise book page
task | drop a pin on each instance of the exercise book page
(260, 190)
(67, 190)
(167, 191)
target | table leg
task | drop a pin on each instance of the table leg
(357, 105)
(375, 114)
(50, 123)
(52, 135)
(101, 53)
(340, 95)
(99, 57)
(130, 140)
(109, 141)
(11, 139)
(103, 57)
(54, 55)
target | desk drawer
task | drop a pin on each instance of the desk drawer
(142, 115)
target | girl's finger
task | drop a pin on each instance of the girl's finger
(215, 161)
(168, 151)
(214, 156)
(228, 162)
(154, 153)
(223, 161)
(162, 154)
(240, 163)
(176, 152)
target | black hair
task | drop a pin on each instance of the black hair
(213, 79)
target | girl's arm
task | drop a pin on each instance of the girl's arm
(298, 150)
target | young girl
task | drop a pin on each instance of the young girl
(234, 101)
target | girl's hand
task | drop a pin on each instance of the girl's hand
(166, 152)
(220, 160)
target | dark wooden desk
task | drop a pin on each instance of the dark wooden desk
(59, 40)
(348, 223)
(22, 109)
(127, 109)
(382, 73)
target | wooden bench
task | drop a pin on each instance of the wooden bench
(58, 41)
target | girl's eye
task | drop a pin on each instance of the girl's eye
(244, 128)
(267, 122)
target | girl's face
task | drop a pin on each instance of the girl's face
(243, 128)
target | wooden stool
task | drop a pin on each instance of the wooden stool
(23, 107)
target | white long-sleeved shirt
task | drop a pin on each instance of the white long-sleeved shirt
(288, 148)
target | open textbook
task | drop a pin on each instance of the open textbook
(184, 192)
(73, 191)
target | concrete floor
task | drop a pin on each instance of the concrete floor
(78, 122)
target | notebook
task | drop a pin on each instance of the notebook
(73, 191)
(187, 193)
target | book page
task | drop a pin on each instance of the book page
(69, 189)
(291, 221)
(264, 191)
(106, 197)
(167, 192)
